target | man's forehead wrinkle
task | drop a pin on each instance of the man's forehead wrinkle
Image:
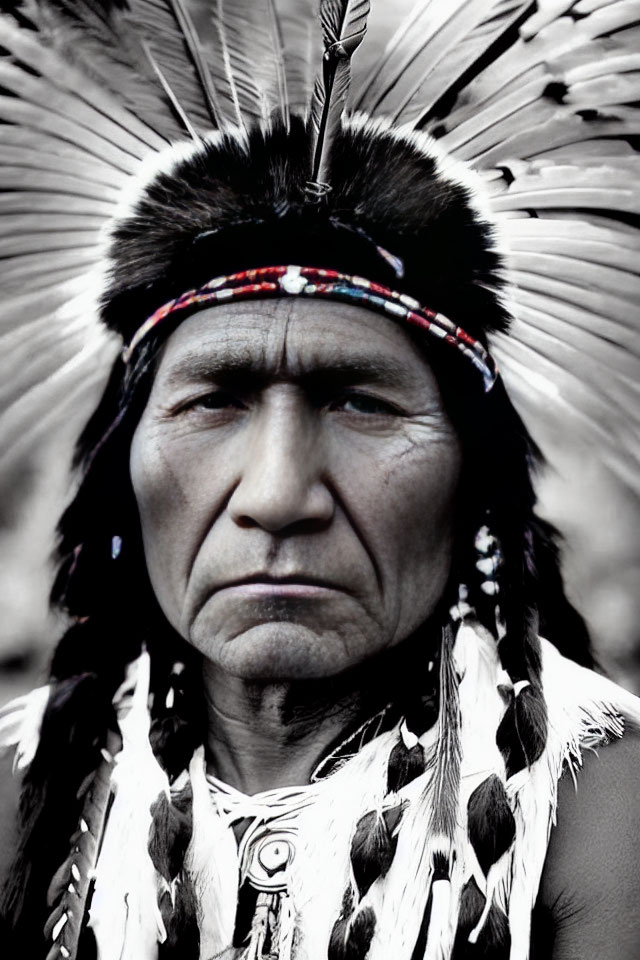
(281, 341)
(202, 364)
(287, 308)
(319, 362)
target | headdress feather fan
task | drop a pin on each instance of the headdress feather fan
(539, 102)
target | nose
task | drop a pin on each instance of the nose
(283, 482)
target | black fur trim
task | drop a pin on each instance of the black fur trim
(372, 850)
(340, 928)
(169, 838)
(522, 734)
(404, 765)
(361, 934)
(491, 824)
(472, 902)
(229, 208)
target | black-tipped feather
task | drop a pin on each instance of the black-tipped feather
(491, 824)
(343, 27)
(494, 940)
(350, 940)
(521, 736)
(372, 850)
(404, 765)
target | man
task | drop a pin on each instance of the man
(303, 686)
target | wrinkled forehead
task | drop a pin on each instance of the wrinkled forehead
(291, 338)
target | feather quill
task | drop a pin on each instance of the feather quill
(344, 24)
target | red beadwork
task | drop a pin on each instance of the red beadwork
(267, 281)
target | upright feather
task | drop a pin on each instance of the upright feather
(250, 32)
(344, 23)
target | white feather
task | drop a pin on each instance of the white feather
(211, 863)
(124, 913)
(20, 722)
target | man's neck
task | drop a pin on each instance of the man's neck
(263, 736)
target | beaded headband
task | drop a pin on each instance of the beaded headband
(316, 282)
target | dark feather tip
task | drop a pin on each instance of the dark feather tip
(522, 734)
(441, 866)
(491, 825)
(404, 766)
(181, 923)
(169, 837)
(350, 940)
(372, 851)
(494, 940)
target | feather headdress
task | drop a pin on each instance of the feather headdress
(539, 102)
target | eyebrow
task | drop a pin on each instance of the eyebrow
(230, 366)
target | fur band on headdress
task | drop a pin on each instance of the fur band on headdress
(395, 215)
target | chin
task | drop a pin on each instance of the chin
(276, 652)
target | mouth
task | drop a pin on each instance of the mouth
(296, 585)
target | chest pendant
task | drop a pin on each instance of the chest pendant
(266, 855)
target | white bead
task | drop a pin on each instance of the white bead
(490, 587)
(293, 282)
(487, 566)
(59, 927)
(484, 540)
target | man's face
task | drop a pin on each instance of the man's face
(295, 474)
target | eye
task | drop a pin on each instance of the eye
(364, 403)
(214, 400)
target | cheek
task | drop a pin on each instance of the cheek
(167, 517)
(415, 522)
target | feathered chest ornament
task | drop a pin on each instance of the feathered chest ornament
(355, 864)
